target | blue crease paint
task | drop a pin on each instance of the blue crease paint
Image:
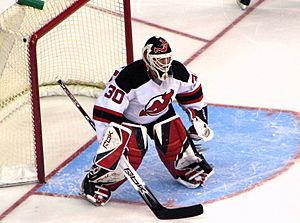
(249, 147)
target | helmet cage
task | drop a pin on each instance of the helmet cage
(159, 63)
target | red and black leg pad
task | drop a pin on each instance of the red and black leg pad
(171, 142)
(178, 154)
(136, 147)
(112, 147)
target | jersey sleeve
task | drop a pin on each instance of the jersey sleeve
(109, 107)
(190, 94)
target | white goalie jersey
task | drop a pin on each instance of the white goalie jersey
(132, 95)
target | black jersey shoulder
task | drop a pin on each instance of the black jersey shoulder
(179, 71)
(132, 76)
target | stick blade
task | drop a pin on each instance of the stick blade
(177, 213)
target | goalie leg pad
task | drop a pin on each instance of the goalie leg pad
(100, 182)
(137, 144)
(176, 152)
(112, 146)
(136, 149)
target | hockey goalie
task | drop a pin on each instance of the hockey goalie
(137, 103)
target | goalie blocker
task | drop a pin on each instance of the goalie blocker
(174, 147)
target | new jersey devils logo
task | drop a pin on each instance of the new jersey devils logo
(157, 104)
(163, 48)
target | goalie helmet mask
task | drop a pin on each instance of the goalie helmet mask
(157, 55)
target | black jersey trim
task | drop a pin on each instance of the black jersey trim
(107, 115)
(190, 97)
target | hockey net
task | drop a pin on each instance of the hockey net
(79, 41)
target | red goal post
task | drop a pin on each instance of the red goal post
(78, 41)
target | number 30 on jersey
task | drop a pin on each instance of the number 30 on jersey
(115, 94)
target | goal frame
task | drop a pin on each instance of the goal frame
(33, 74)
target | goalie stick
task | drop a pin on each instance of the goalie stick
(136, 181)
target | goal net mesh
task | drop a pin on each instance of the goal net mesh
(83, 49)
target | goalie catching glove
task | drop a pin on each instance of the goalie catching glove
(199, 130)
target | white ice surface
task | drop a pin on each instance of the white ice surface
(256, 63)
